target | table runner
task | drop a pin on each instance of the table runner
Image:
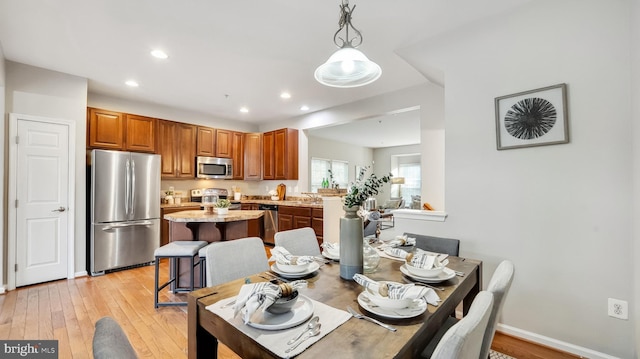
(276, 340)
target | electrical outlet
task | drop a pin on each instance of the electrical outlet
(618, 308)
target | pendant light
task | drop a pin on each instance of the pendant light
(347, 67)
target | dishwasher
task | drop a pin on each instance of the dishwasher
(270, 222)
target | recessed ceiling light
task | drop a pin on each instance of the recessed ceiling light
(244, 110)
(304, 108)
(132, 83)
(285, 95)
(159, 54)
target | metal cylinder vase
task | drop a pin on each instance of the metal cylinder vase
(351, 235)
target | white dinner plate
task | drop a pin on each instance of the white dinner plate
(418, 307)
(301, 311)
(327, 255)
(446, 274)
(314, 266)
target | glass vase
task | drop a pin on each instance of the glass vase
(370, 257)
(351, 243)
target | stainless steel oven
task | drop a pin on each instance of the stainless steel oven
(196, 196)
(214, 168)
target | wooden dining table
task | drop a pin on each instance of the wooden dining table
(353, 339)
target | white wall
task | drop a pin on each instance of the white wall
(562, 213)
(3, 183)
(39, 92)
(635, 94)
(355, 155)
(382, 159)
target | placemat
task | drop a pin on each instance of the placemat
(276, 340)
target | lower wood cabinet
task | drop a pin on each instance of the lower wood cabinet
(290, 217)
(254, 226)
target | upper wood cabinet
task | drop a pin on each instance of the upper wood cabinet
(118, 131)
(253, 156)
(105, 129)
(140, 133)
(224, 143)
(237, 152)
(177, 147)
(280, 154)
(206, 142)
(268, 148)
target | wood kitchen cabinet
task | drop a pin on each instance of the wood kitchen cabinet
(105, 129)
(224, 143)
(206, 142)
(253, 156)
(290, 217)
(317, 223)
(237, 154)
(280, 154)
(177, 147)
(112, 130)
(254, 226)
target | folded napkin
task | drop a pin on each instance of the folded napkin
(400, 241)
(331, 246)
(398, 290)
(419, 258)
(261, 295)
(281, 255)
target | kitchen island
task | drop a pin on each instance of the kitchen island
(198, 225)
(209, 227)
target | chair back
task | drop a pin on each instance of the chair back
(436, 244)
(110, 341)
(230, 260)
(299, 242)
(498, 285)
(464, 339)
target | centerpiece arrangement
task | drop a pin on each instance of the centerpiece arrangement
(222, 206)
(351, 225)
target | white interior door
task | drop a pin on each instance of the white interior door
(42, 201)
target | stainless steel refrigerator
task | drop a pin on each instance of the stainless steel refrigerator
(124, 209)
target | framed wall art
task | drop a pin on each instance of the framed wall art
(532, 118)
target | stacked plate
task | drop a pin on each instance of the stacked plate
(288, 273)
(441, 276)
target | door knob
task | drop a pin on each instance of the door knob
(61, 209)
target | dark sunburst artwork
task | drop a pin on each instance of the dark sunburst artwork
(530, 118)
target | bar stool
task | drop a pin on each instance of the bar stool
(173, 251)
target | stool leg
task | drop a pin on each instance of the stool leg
(203, 272)
(174, 270)
(193, 271)
(155, 296)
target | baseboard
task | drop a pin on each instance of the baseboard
(553, 343)
(3, 289)
(81, 274)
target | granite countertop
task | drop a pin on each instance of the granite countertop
(183, 204)
(292, 203)
(201, 216)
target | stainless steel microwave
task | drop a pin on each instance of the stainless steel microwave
(214, 168)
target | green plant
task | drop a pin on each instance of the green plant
(362, 189)
(223, 203)
(332, 183)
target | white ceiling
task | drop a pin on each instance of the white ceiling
(225, 54)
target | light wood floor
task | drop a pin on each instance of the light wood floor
(66, 310)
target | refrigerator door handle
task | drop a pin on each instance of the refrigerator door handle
(127, 187)
(133, 187)
(129, 224)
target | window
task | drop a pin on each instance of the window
(407, 167)
(320, 170)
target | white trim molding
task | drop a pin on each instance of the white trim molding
(436, 216)
(553, 343)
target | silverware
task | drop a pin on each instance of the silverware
(312, 324)
(310, 334)
(229, 304)
(360, 316)
(273, 276)
(423, 284)
(459, 274)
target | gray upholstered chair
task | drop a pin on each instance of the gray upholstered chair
(299, 242)
(464, 339)
(498, 285)
(436, 244)
(229, 260)
(110, 341)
